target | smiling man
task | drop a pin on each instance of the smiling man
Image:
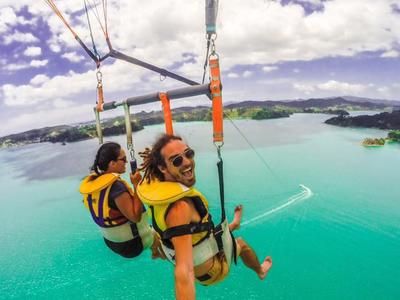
(180, 215)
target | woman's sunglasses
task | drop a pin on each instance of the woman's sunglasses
(123, 159)
(178, 159)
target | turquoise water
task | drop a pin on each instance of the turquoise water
(341, 242)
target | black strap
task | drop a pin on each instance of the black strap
(220, 166)
(135, 231)
(204, 277)
(218, 232)
(234, 248)
(186, 229)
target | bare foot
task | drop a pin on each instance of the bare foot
(237, 218)
(265, 266)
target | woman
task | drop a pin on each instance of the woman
(115, 207)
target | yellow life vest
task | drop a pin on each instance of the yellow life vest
(159, 195)
(113, 224)
(95, 190)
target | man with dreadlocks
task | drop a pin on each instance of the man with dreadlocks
(180, 215)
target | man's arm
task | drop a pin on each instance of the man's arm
(179, 214)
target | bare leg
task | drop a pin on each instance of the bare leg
(250, 259)
(237, 217)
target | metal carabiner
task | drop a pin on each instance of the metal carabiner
(213, 51)
(219, 145)
(99, 77)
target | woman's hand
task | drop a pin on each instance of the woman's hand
(135, 178)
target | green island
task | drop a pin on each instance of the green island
(392, 137)
(373, 142)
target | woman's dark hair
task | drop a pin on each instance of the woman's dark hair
(152, 158)
(107, 152)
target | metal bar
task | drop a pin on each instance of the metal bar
(138, 100)
(211, 16)
(118, 55)
(98, 126)
(110, 105)
(128, 125)
(185, 92)
(191, 91)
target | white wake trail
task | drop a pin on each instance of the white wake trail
(303, 195)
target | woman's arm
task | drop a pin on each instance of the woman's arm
(130, 207)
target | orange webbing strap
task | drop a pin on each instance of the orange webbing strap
(167, 113)
(216, 93)
(100, 94)
(100, 98)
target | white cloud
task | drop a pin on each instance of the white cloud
(268, 69)
(118, 77)
(9, 18)
(39, 79)
(390, 53)
(233, 75)
(39, 63)
(23, 65)
(383, 90)
(247, 74)
(55, 48)
(308, 89)
(48, 117)
(16, 66)
(62, 103)
(20, 37)
(341, 87)
(296, 71)
(73, 57)
(331, 32)
(331, 86)
(33, 51)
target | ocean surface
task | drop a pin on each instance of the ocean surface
(335, 237)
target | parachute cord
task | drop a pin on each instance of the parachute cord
(53, 6)
(105, 17)
(55, 9)
(206, 60)
(95, 12)
(90, 30)
(255, 150)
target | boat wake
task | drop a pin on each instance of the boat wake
(306, 193)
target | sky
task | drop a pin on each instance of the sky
(268, 50)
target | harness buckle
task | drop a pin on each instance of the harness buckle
(218, 230)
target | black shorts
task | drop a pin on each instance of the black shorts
(128, 249)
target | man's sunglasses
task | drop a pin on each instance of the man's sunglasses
(178, 159)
